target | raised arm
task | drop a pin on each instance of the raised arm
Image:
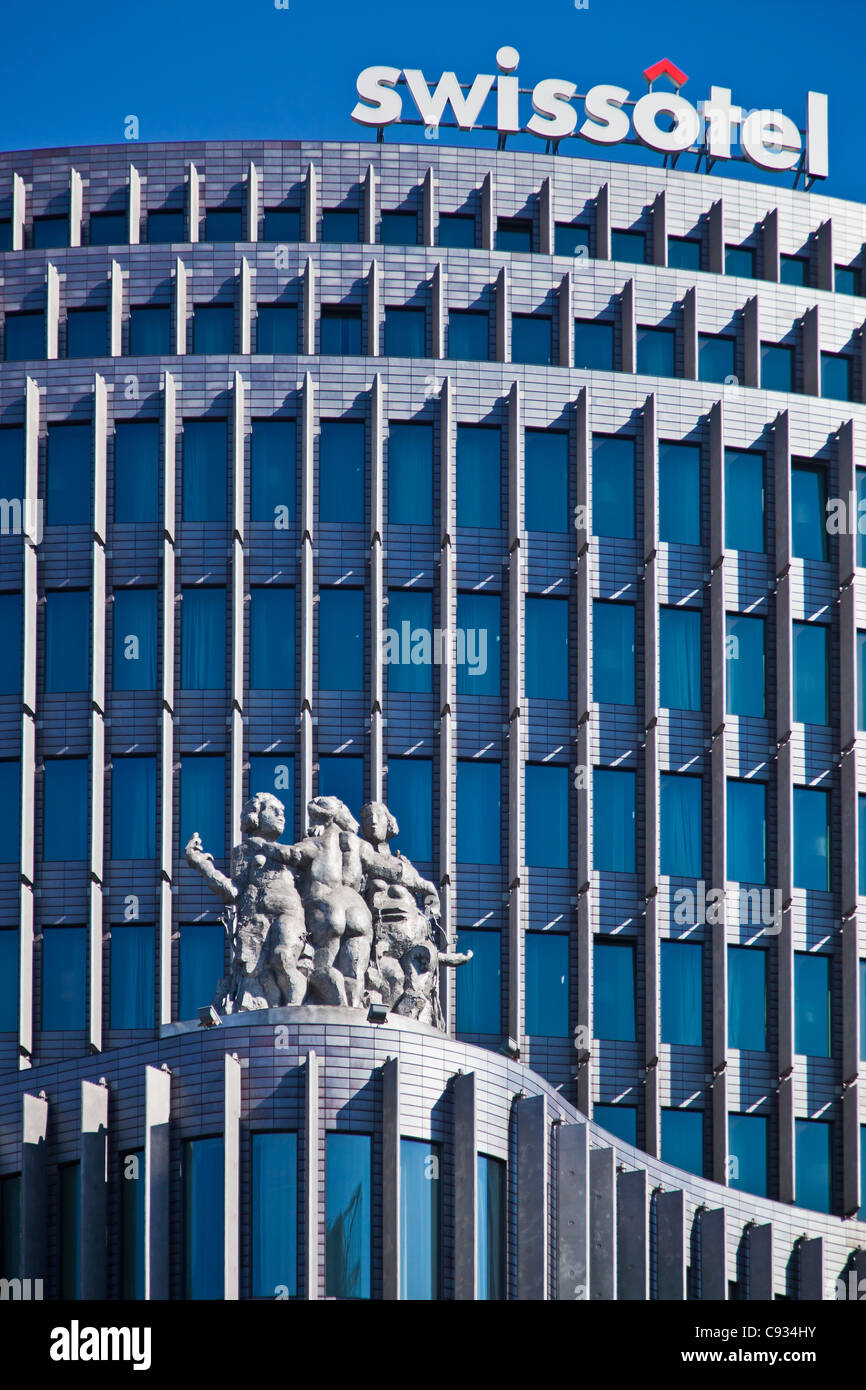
(296, 856)
(216, 881)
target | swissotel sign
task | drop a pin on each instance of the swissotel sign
(662, 121)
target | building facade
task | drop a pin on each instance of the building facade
(546, 471)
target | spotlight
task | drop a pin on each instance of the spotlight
(377, 1013)
(509, 1048)
(208, 1017)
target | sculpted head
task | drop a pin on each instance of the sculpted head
(377, 824)
(330, 810)
(263, 815)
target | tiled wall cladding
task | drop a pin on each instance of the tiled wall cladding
(169, 723)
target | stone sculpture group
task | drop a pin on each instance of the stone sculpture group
(335, 919)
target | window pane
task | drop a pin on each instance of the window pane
(811, 838)
(513, 234)
(132, 1228)
(410, 800)
(87, 333)
(628, 246)
(272, 638)
(65, 809)
(546, 657)
(456, 229)
(613, 653)
(532, 339)
(108, 229)
(25, 336)
(682, 1136)
(681, 992)
(490, 1225)
(282, 224)
(420, 1219)
(546, 985)
(680, 658)
(134, 622)
(10, 811)
(680, 493)
(11, 462)
(340, 224)
(9, 952)
(546, 816)
(348, 1235)
(656, 351)
(777, 367)
(67, 640)
(49, 233)
(69, 1232)
(275, 773)
(203, 639)
(132, 976)
(747, 832)
(150, 330)
(793, 270)
(618, 1120)
(136, 471)
(744, 500)
(861, 845)
(745, 665)
(546, 480)
(847, 280)
(684, 253)
(479, 983)
(747, 1147)
(64, 979)
(740, 260)
(680, 815)
(203, 1207)
(213, 329)
(342, 777)
(133, 808)
(808, 513)
(570, 238)
(224, 224)
(862, 971)
(341, 471)
(836, 376)
(202, 801)
(468, 335)
(613, 826)
(10, 643)
(812, 1004)
(200, 965)
(478, 812)
(812, 1164)
(408, 641)
(613, 991)
(166, 225)
(479, 456)
(479, 649)
(613, 481)
(405, 332)
(716, 357)
(68, 475)
(274, 1226)
(747, 998)
(204, 470)
(272, 472)
(341, 639)
(593, 345)
(811, 697)
(398, 228)
(860, 484)
(340, 331)
(410, 474)
(277, 329)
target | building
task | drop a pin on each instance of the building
(583, 419)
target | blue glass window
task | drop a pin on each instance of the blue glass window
(745, 665)
(5, 234)
(478, 812)
(64, 979)
(341, 471)
(811, 1004)
(593, 345)
(716, 357)
(793, 270)
(547, 984)
(747, 1148)
(811, 696)
(680, 658)
(618, 1120)
(204, 470)
(740, 260)
(628, 246)
(69, 1230)
(11, 462)
(747, 999)
(398, 228)
(613, 483)
(136, 471)
(132, 977)
(348, 1215)
(135, 628)
(680, 493)
(10, 810)
(87, 333)
(224, 224)
(409, 652)
(656, 351)
(680, 825)
(777, 367)
(274, 1230)
(201, 964)
(479, 620)
(410, 800)
(846, 279)
(811, 838)
(165, 226)
(532, 339)
(341, 639)
(570, 238)
(65, 809)
(10, 644)
(67, 500)
(51, 232)
(479, 464)
(468, 335)
(410, 474)
(456, 229)
(860, 485)
(808, 512)
(684, 253)
(682, 1139)
(25, 336)
(275, 773)
(203, 1219)
(682, 992)
(341, 224)
(837, 376)
(8, 982)
(405, 332)
(150, 330)
(272, 472)
(613, 653)
(862, 973)
(342, 777)
(479, 983)
(812, 1148)
(272, 638)
(546, 480)
(546, 658)
(132, 1228)
(202, 801)
(613, 823)
(277, 330)
(513, 234)
(614, 995)
(108, 228)
(747, 832)
(67, 640)
(492, 1192)
(133, 808)
(744, 500)
(546, 816)
(420, 1219)
(203, 639)
(861, 845)
(213, 329)
(341, 331)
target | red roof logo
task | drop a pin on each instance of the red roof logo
(668, 69)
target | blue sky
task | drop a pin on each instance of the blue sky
(217, 70)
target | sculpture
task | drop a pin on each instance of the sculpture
(333, 919)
